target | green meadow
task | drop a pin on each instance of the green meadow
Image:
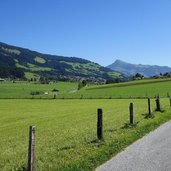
(22, 90)
(66, 127)
(66, 131)
(132, 89)
(68, 90)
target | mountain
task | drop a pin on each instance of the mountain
(131, 69)
(17, 62)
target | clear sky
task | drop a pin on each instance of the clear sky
(136, 31)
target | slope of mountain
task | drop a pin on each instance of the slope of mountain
(131, 69)
(16, 62)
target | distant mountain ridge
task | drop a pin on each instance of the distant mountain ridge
(17, 62)
(131, 69)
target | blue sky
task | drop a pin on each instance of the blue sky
(136, 31)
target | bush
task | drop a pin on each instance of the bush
(81, 84)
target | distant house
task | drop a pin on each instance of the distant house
(1, 79)
(55, 92)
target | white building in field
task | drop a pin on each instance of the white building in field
(1, 79)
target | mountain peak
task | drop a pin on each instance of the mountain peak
(118, 61)
(131, 69)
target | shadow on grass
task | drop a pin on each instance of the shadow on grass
(151, 116)
(97, 142)
(68, 147)
(23, 168)
(148, 116)
(110, 130)
(162, 110)
(127, 125)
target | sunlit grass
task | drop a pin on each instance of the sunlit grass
(66, 131)
(19, 90)
(68, 90)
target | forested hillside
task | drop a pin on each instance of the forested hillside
(16, 62)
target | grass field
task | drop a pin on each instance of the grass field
(66, 127)
(132, 89)
(19, 90)
(66, 131)
(68, 90)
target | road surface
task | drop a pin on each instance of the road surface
(150, 153)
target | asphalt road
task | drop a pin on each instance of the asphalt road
(151, 153)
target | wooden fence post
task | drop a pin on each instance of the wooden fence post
(149, 107)
(170, 100)
(158, 107)
(99, 124)
(131, 109)
(31, 149)
(168, 95)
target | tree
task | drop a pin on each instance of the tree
(111, 81)
(82, 83)
(138, 76)
(44, 80)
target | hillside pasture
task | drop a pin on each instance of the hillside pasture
(133, 89)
